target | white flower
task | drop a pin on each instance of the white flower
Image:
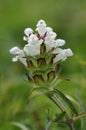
(49, 29)
(45, 35)
(27, 32)
(19, 55)
(32, 50)
(57, 50)
(62, 55)
(50, 39)
(15, 50)
(41, 27)
(33, 46)
(33, 39)
(52, 43)
(59, 42)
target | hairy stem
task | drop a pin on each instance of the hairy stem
(79, 116)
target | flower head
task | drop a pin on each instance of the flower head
(44, 36)
(41, 53)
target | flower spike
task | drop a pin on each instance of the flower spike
(44, 39)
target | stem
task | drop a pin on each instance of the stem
(79, 116)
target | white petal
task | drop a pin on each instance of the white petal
(23, 60)
(49, 29)
(41, 27)
(32, 50)
(28, 31)
(41, 30)
(60, 42)
(48, 47)
(15, 50)
(62, 55)
(33, 39)
(15, 59)
(57, 58)
(69, 52)
(50, 40)
(25, 38)
(51, 35)
(57, 51)
(49, 44)
(41, 23)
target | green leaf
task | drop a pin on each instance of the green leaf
(48, 116)
(60, 116)
(69, 103)
(37, 91)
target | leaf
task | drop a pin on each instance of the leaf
(23, 127)
(60, 116)
(48, 115)
(69, 103)
(37, 91)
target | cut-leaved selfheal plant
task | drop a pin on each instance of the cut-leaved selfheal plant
(41, 56)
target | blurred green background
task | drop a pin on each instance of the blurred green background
(68, 20)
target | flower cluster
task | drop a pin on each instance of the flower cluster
(42, 53)
(46, 36)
